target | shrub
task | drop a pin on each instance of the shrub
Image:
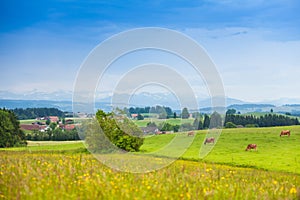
(251, 125)
(230, 125)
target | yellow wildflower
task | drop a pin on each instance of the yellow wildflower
(293, 190)
(188, 195)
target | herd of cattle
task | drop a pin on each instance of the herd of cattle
(249, 146)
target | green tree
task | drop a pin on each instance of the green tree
(230, 112)
(151, 124)
(185, 113)
(206, 122)
(10, 133)
(118, 131)
(174, 115)
(167, 127)
(200, 126)
(176, 128)
(197, 124)
(186, 127)
(53, 126)
(196, 115)
(161, 111)
(168, 111)
(140, 117)
(230, 125)
(215, 120)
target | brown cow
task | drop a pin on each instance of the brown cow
(209, 140)
(191, 133)
(285, 132)
(251, 146)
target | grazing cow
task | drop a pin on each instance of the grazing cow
(251, 146)
(209, 140)
(285, 132)
(191, 133)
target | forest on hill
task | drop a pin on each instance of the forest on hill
(32, 113)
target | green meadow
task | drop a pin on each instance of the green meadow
(65, 170)
(50, 146)
(273, 153)
(177, 121)
(30, 121)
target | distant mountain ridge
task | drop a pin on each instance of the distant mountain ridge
(12, 103)
(106, 106)
(63, 100)
(60, 95)
(161, 98)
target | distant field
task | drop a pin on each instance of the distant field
(30, 121)
(52, 143)
(178, 121)
(49, 146)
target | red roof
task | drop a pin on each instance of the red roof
(30, 127)
(53, 118)
(69, 127)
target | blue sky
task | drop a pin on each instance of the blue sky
(254, 44)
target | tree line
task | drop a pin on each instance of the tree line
(266, 120)
(200, 122)
(148, 109)
(163, 112)
(231, 121)
(32, 113)
(53, 135)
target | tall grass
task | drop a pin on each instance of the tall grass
(26, 175)
(44, 171)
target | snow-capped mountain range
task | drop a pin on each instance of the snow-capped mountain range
(63, 100)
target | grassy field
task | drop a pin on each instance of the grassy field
(50, 146)
(273, 153)
(64, 170)
(30, 121)
(178, 121)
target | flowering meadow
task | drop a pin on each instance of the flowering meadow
(50, 175)
(66, 170)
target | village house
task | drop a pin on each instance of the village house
(53, 119)
(32, 127)
(134, 116)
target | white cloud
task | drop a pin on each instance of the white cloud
(252, 62)
(251, 66)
